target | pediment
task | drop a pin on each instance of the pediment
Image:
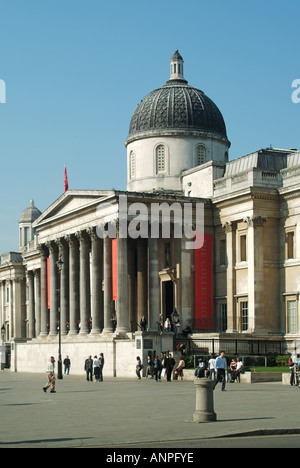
(71, 202)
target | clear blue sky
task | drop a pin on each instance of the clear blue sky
(75, 71)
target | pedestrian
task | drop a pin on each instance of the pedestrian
(96, 366)
(232, 371)
(149, 370)
(211, 367)
(101, 357)
(143, 323)
(139, 367)
(50, 370)
(200, 371)
(168, 325)
(239, 369)
(221, 367)
(67, 364)
(88, 367)
(179, 369)
(169, 364)
(157, 369)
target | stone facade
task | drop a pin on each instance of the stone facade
(251, 214)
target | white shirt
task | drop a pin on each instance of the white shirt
(212, 364)
(50, 367)
(221, 363)
(97, 363)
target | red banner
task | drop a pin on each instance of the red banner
(204, 303)
(114, 247)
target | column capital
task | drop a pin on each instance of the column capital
(92, 233)
(42, 248)
(51, 246)
(82, 237)
(229, 226)
(71, 240)
(255, 221)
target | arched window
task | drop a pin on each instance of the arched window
(132, 168)
(200, 155)
(160, 159)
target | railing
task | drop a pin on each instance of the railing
(231, 346)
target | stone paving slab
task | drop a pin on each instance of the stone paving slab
(126, 411)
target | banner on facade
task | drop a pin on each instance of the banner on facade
(114, 248)
(204, 285)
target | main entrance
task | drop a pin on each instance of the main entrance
(167, 298)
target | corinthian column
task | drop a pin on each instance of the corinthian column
(43, 295)
(122, 269)
(73, 283)
(85, 293)
(31, 315)
(53, 289)
(255, 250)
(230, 229)
(64, 285)
(107, 265)
(96, 282)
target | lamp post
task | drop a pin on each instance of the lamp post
(59, 265)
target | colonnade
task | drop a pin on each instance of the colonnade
(82, 290)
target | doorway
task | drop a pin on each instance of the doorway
(168, 299)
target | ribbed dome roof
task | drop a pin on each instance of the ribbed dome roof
(30, 214)
(176, 108)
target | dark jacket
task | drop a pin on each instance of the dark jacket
(169, 363)
(88, 364)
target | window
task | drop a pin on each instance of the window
(26, 236)
(243, 248)
(160, 159)
(290, 240)
(291, 318)
(223, 317)
(132, 165)
(222, 252)
(244, 316)
(200, 155)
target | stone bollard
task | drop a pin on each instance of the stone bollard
(204, 401)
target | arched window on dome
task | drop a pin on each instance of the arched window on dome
(160, 159)
(132, 166)
(200, 155)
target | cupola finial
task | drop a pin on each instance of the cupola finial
(177, 66)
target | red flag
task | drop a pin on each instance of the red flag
(66, 180)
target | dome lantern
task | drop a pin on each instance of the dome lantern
(176, 63)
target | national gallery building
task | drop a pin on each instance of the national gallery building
(96, 262)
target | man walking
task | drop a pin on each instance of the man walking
(221, 367)
(50, 370)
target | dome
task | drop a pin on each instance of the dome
(30, 214)
(176, 109)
